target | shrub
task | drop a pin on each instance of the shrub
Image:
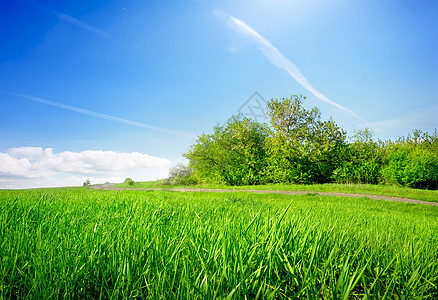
(413, 167)
(129, 181)
(181, 174)
(362, 160)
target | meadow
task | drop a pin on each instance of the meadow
(80, 243)
(363, 189)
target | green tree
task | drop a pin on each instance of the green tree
(129, 181)
(234, 154)
(362, 160)
(181, 174)
(301, 147)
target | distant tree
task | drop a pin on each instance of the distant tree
(86, 182)
(302, 148)
(234, 154)
(180, 170)
(129, 181)
(180, 174)
(420, 139)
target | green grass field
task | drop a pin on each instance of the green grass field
(364, 189)
(90, 244)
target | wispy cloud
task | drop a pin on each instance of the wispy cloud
(69, 19)
(104, 116)
(75, 22)
(423, 118)
(279, 60)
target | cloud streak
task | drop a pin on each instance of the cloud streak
(279, 60)
(77, 23)
(105, 116)
(71, 20)
(424, 118)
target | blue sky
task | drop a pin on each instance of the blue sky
(113, 89)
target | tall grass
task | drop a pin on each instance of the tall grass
(163, 245)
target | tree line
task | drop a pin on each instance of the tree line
(296, 146)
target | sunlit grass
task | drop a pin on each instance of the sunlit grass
(364, 189)
(125, 244)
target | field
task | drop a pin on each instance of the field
(364, 189)
(80, 243)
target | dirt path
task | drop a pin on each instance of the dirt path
(109, 186)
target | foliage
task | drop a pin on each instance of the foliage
(129, 181)
(298, 147)
(181, 174)
(302, 148)
(412, 161)
(362, 160)
(234, 154)
(86, 182)
(420, 139)
(415, 167)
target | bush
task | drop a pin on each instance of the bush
(129, 181)
(362, 160)
(181, 174)
(414, 167)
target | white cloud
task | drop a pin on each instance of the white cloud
(423, 119)
(13, 166)
(27, 167)
(29, 152)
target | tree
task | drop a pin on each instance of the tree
(302, 148)
(362, 160)
(299, 147)
(129, 181)
(180, 174)
(234, 154)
